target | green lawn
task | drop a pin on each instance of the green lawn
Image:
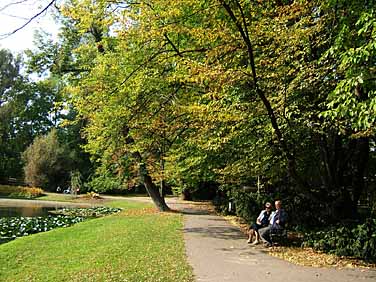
(137, 245)
(56, 197)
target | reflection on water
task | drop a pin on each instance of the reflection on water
(32, 208)
(29, 211)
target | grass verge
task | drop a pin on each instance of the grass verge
(138, 244)
(59, 197)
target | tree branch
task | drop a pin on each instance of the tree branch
(2, 36)
(12, 4)
(172, 45)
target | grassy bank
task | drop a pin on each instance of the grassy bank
(137, 245)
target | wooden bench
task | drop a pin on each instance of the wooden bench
(278, 236)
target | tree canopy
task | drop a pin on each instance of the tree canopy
(232, 92)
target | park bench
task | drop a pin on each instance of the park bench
(279, 236)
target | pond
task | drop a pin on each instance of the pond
(24, 211)
(20, 218)
(31, 208)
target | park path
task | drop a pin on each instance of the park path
(218, 252)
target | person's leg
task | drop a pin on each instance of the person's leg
(257, 240)
(257, 236)
(265, 235)
(251, 232)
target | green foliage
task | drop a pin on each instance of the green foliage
(102, 183)
(226, 92)
(46, 161)
(357, 241)
(27, 109)
(9, 72)
(76, 181)
(351, 105)
(244, 203)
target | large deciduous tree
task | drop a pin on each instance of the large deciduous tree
(26, 110)
(229, 90)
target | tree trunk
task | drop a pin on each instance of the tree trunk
(361, 166)
(152, 189)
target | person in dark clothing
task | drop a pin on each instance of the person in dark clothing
(261, 221)
(278, 220)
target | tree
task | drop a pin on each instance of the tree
(9, 74)
(26, 110)
(46, 162)
(117, 129)
(228, 90)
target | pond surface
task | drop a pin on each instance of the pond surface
(24, 211)
(32, 208)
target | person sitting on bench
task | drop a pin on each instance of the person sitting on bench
(277, 223)
(261, 221)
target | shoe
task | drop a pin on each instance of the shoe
(249, 241)
(255, 243)
(268, 245)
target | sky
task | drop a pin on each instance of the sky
(14, 14)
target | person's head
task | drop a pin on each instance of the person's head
(268, 206)
(278, 204)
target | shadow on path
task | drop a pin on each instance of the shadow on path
(193, 212)
(218, 232)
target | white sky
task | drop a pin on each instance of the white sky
(14, 16)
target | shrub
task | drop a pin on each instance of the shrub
(246, 205)
(103, 182)
(20, 192)
(356, 241)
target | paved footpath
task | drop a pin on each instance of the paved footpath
(218, 252)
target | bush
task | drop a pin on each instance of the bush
(20, 192)
(103, 183)
(357, 241)
(306, 211)
(246, 205)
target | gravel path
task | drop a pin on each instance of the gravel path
(218, 252)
